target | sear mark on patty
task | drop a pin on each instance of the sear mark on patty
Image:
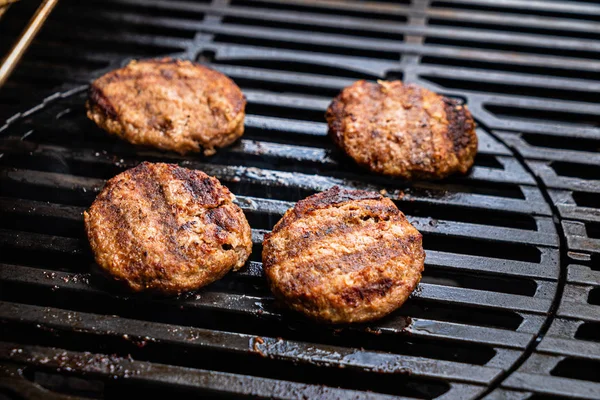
(98, 98)
(355, 294)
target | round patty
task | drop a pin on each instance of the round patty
(402, 130)
(343, 256)
(168, 229)
(169, 104)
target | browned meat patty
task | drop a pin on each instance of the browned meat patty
(343, 256)
(169, 104)
(163, 228)
(402, 130)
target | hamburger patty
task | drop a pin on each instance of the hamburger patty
(167, 229)
(343, 256)
(402, 130)
(169, 104)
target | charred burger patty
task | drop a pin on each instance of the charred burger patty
(343, 256)
(167, 229)
(402, 130)
(169, 104)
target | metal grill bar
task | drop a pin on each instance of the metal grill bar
(262, 346)
(143, 372)
(418, 327)
(509, 172)
(570, 347)
(450, 295)
(555, 386)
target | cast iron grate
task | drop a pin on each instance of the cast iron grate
(487, 287)
(493, 267)
(567, 357)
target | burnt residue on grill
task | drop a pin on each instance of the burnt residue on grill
(114, 366)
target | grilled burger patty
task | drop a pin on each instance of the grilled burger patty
(169, 104)
(402, 130)
(343, 256)
(168, 229)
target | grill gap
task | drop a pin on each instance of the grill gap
(594, 296)
(96, 20)
(513, 89)
(585, 370)
(147, 9)
(37, 83)
(589, 331)
(496, 189)
(296, 66)
(99, 24)
(541, 70)
(587, 171)
(520, 28)
(308, 47)
(497, 250)
(593, 230)
(303, 27)
(462, 314)
(484, 217)
(55, 226)
(51, 59)
(289, 137)
(285, 112)
(124, 48)
(594, 262)
(488, 160)
(74, 197)
(51, 259)
(587, 199)
(537, 116)
(523, 287)
(278, 87)
(562, 142)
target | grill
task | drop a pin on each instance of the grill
(509, 305)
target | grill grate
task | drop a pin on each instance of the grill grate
(499, 269)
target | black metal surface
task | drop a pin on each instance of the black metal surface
(568, 356)
(509, 303)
